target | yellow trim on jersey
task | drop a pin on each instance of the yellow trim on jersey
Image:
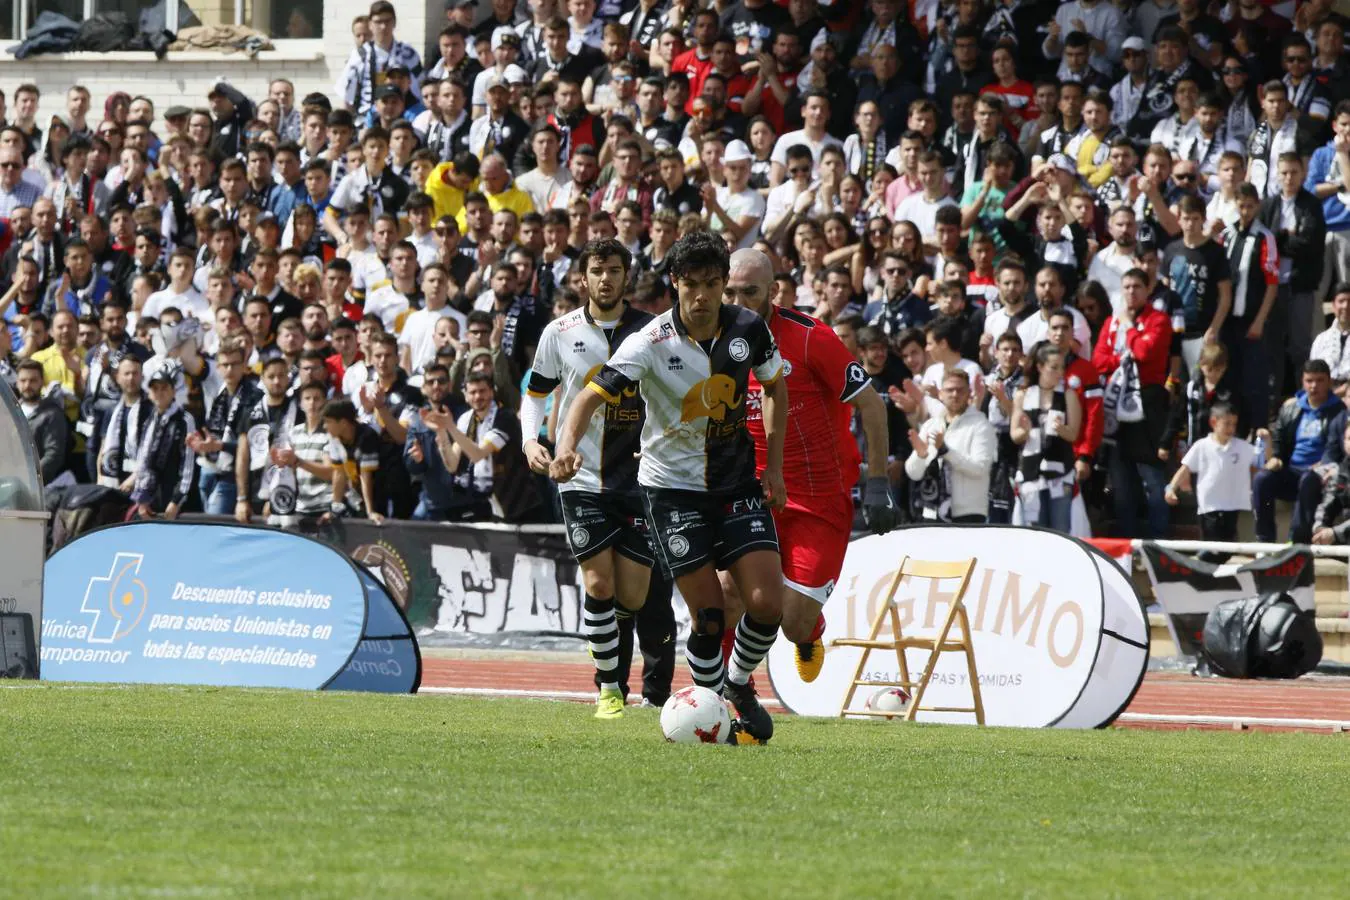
(609, 398)
(536, 394)
(771, 382)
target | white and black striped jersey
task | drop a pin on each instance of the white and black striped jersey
(572, 349)
(695, 436)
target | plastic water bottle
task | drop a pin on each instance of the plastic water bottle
(1260, 452)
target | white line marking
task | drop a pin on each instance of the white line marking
(1234, 721)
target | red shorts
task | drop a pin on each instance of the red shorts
(812, 540)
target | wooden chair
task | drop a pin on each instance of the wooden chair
(941, 643)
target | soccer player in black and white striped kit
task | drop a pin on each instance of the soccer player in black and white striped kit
(602, 508)
(706, 508)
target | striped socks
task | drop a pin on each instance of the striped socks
(753, 640)
(703, 650)
(602, 637)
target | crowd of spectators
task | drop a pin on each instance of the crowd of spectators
(1080, 248)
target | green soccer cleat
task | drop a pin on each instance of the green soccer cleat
(609, 705)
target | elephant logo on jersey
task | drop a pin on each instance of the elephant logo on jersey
(713, 397)
(628, 392)
(739, 350)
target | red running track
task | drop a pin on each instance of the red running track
(1188, 702)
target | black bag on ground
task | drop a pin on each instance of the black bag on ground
(81, 508)
(1261, 637)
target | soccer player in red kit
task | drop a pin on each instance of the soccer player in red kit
(820, 456)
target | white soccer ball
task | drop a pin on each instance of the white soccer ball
(889, 700)
(695, 715)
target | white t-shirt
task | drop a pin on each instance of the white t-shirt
(1223, 475)
(748, 202)
(190, 303)
(779, 154)
(922, 212)
(779, 202)
(1037, 329)
(933, 375)
(419, 331)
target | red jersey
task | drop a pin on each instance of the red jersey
(696, 69)
(820, 455)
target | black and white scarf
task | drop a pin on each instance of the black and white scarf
(1265, 146)
(122, 442)
(1158, 101)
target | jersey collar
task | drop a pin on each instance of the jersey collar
(724, 318)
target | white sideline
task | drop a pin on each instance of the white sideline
(1236, 722)
(540, 695)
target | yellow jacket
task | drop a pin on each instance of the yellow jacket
(1093, 160)
(447, 199)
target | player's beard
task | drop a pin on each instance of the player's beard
(606, 304)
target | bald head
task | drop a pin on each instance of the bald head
(750, 281)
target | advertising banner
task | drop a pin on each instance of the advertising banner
(387, 660)
(178, 603)
(1187, 588)
(1056, 642)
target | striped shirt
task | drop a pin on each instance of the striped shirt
(314, 495)
(368, 67)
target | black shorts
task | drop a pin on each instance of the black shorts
(597, 522)
(691, 529)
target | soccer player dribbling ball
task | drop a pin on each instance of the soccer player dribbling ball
(820, 457)
(602, 508)
(705, 505)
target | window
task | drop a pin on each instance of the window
(276, 19)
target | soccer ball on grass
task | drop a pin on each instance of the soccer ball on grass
(695, 715)
(889, 700)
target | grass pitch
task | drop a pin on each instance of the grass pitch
(198, 792)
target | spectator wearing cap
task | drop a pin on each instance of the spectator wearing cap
(505, 52)
(164, 467)
(369, 65)
(388, 107)
(500, 129)
(735, 209)
(176, 121)
(231, 111)
(825, 74)
(1128, 93)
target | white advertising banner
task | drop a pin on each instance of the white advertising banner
(1060, 636)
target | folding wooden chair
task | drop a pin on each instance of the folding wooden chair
(941, 643)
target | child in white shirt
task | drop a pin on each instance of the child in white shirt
(1222, 464)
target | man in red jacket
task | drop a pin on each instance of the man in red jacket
(1144, 335)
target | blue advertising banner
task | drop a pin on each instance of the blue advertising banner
(387, 661)
(177, 603)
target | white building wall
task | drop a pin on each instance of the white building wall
(186, 78)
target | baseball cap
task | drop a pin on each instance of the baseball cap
(495, 80)
(177, 112)
(505, 36)
(736, 151)
(514, 74)
(387, 90)
(1134, 43)
(1062, 162)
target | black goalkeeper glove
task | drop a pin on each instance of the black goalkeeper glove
(878, 508)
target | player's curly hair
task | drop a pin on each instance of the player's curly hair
(699, 250)
(604, 249)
